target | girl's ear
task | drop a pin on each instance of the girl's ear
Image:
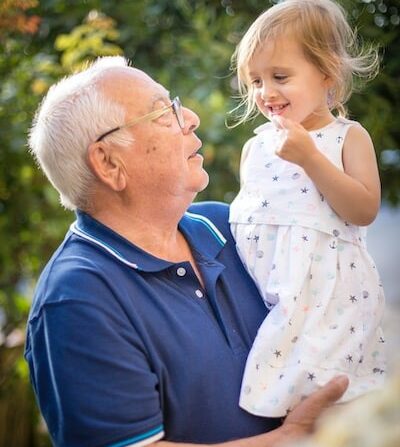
(328, 81)
(107, 165)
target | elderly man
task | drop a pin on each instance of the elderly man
(143, 318)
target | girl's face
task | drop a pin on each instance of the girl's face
(285, 83)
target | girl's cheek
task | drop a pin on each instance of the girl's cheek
(261, 106)
(259, 101)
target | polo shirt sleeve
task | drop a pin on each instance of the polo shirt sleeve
(91, 374)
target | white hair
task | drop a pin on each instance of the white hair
(73, 114)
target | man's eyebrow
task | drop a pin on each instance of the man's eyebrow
(160, 97)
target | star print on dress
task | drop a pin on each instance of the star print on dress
(320, 135)
(304, 190)
(349, 358)
(353, 298)
(264, 203)
(275, 178)
(352, 265)
(311, 376)
(277, 353)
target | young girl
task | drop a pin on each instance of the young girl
(309, 186)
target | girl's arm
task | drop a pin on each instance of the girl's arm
(355, 193)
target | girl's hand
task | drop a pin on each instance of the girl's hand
(297, 146)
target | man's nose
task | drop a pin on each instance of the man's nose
(192, 120)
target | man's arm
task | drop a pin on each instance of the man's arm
(300, 422)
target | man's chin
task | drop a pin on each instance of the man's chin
(206, 181)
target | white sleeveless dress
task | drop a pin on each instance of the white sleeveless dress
(314, 274)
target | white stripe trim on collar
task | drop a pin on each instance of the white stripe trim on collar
(78, 231)
(210, 225)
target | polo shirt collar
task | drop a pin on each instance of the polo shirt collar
(204, 238)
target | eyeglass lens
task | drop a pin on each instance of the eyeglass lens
(177, 107)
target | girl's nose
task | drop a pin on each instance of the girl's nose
(268, 92)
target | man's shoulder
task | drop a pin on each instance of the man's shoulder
(70, 275)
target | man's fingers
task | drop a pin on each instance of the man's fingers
(312, 407)
(336, 387)
(329, 393)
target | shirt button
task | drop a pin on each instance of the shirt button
(181, 271)
(199, 293)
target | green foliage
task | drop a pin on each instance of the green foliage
(186, 45)
(88, 41)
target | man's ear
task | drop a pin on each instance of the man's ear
(107, 165)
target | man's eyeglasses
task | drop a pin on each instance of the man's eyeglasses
(176, 107)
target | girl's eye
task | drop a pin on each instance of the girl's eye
(280, 78)
(256, 82)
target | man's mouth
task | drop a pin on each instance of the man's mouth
(194, 153)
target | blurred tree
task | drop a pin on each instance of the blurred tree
(13, 17)
(186, 45)
(29, 207)
(31, 220)
(375, 106)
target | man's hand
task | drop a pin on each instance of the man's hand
(301, 421)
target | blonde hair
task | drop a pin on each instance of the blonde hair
(328, 42)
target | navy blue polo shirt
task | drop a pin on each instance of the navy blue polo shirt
(125, 348)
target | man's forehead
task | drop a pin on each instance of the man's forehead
(119, 80)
